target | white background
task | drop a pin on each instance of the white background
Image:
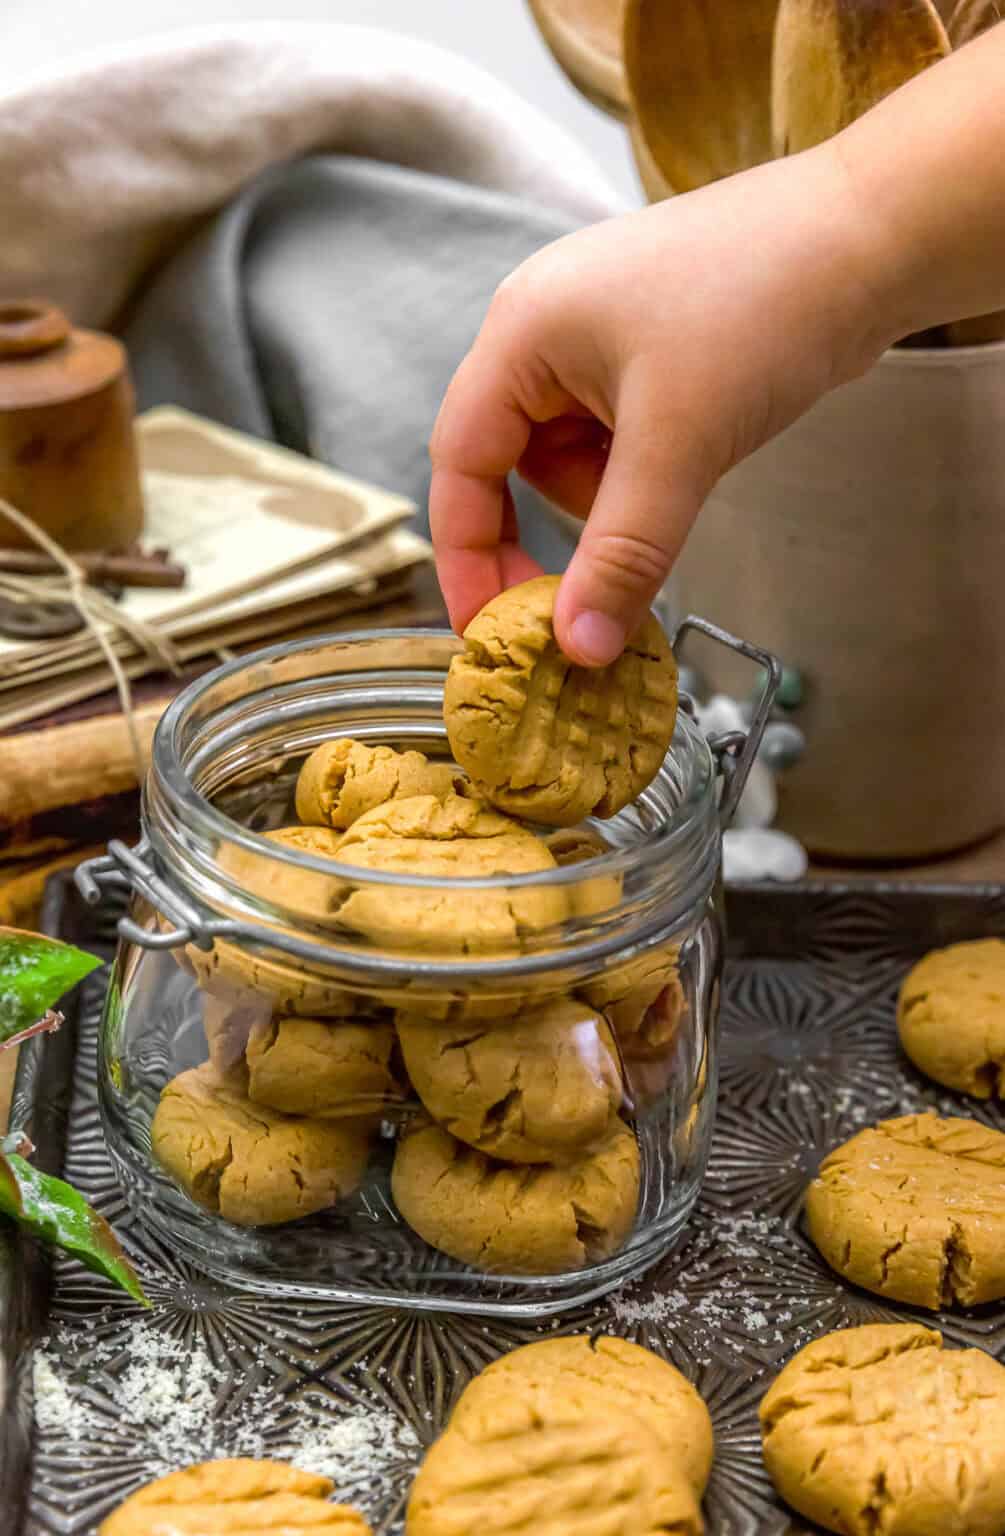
(500, 35)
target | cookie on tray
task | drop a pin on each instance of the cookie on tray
(879, 1431)
(546, 740)
(914, 1209)
(951, 1017)
(253, 1165)
(570, 1431)
(621, 1374)
(521, 1220)
(234, 1498)
(560, 1465)
(540, 1087)
(342, 779)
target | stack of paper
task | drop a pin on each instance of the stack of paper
(275, 545)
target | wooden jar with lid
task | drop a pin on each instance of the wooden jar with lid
(67, 452)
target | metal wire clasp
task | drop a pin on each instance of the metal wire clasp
(131, 869)
(735, 751)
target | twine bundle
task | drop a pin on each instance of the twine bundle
(97, 612)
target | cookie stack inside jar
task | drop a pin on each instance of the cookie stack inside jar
(512, 1116)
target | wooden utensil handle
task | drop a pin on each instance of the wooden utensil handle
(29, 326)
(132, 569)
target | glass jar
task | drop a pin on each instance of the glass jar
(493, 1094)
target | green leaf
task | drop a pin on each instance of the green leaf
(54, 1211)
(35, 973)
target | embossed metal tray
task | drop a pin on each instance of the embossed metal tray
(809, 1055)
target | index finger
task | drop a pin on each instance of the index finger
(479, 436)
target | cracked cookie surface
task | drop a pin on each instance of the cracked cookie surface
(951, 1017)
(343, 779)
(544, 739)
(642, 999)
(245, 986)
(323, 1068)
(454, 838)
(231, 1018)
(234, 1498)
(551, 1465)
(617, 1374)
(879, 1431)
(540, 1087)
(594, 893)
(253, 1165)
(533, 1219)
(914, 1209)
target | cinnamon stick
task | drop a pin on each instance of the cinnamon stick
(133, 570)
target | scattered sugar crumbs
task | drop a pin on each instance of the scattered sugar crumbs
(172, 1401)
(717, 1307)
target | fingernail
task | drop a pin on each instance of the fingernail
(597, 638)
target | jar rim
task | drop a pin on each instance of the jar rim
(690, 751)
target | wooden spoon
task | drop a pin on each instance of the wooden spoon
(654, 183)
(964, 19)
(585, 38)
(699, 84)
(834, 59)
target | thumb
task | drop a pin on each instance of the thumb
(655, 480)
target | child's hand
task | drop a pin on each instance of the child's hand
(624, 369)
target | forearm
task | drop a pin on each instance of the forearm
(926, 169)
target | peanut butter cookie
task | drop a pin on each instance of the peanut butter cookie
(536, 1220)
(253, 1165)
(619, 1375)
(642, 1000)
(879, 1431)
(323, 1068)
(252, 987)
(914, 1209)
(538, 1088)
(577, 845)
(546, 740)
(234, 1498)
(458, 838)
(343, 778)
(239, 978)
(951, 1017)
(558, 1464)
(304, 891)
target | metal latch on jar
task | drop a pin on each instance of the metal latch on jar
(734, 753)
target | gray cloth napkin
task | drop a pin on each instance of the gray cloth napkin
(327, 307)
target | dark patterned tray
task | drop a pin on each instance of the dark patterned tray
(809, 1056)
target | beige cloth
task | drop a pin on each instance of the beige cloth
(106, 162)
